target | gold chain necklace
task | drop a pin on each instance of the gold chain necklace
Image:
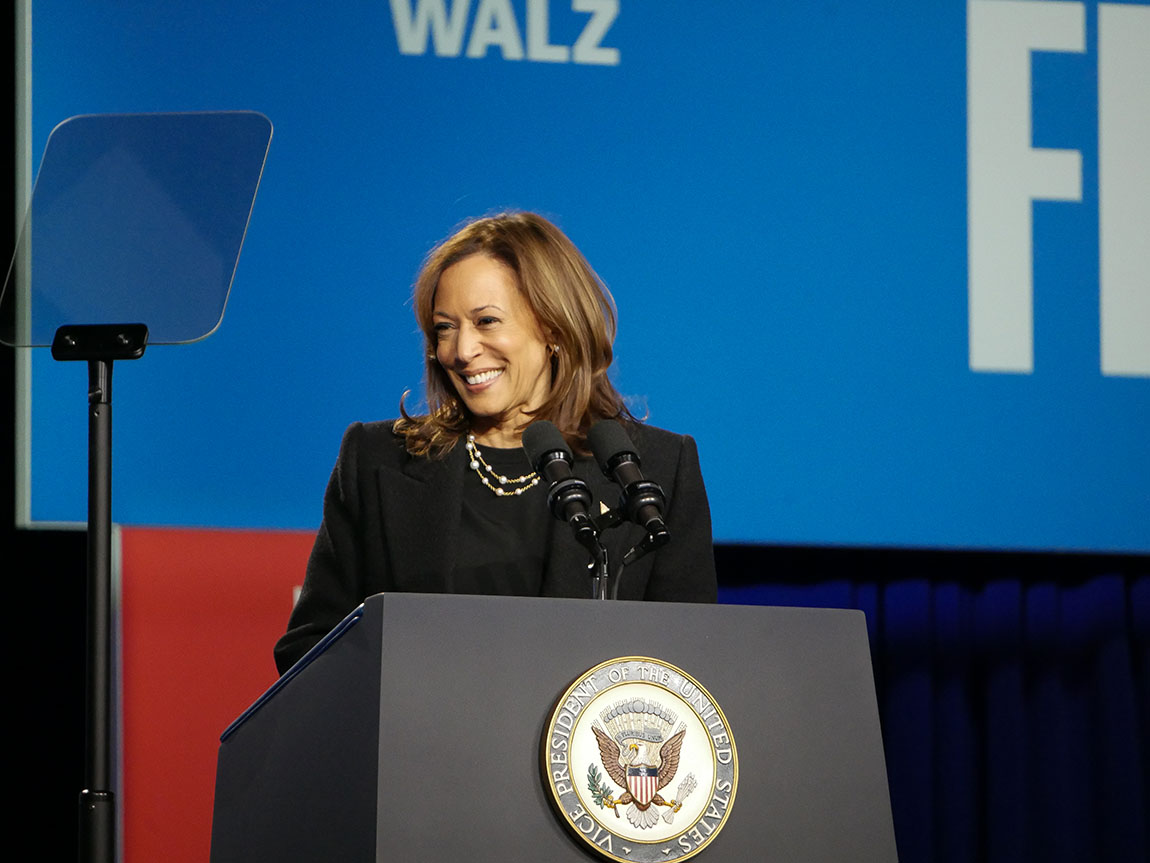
(506, 486)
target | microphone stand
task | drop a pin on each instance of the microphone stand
(602, 577)
(569, 500)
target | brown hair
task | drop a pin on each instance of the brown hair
(572, 305)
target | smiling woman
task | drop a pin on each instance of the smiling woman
(550, 296)
(491, 347)
(518, 328)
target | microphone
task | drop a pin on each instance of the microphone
(569, 498)
(643, 500)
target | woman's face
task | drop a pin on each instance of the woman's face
(491, 347)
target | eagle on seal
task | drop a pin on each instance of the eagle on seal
(642, 768)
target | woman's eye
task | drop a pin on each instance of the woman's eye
(487, 321)
(441, 329)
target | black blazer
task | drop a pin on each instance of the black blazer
(390, 522)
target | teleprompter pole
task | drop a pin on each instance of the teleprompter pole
(97, 802)
(100, 345)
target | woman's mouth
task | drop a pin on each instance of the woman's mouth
(480, 378)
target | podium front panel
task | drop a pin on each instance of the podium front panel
(419, 731)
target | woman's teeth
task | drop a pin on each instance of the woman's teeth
(483, 377)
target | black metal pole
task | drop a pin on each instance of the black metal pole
(99, 345)
(97, 803)
(599, 581)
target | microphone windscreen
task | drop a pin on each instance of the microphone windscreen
(607, 440)
(540, 438)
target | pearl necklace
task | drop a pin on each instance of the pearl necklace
(507, 486)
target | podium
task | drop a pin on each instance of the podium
(414, 732)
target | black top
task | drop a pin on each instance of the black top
(502, 544)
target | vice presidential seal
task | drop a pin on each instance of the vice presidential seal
(640, 761)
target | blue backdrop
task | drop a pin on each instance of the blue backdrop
(776, 193)
(778, 196)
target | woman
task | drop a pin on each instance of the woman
(518, 328)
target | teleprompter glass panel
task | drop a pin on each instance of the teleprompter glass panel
(135, 218)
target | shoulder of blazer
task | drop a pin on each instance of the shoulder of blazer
(659, 450)
(655, 437)
(376, 446)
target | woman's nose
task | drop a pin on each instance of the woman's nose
(467, 346)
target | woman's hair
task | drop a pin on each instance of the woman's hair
(574, 310)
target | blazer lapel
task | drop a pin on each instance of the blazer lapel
(422, 503)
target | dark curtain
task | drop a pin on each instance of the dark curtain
(1014, 693)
